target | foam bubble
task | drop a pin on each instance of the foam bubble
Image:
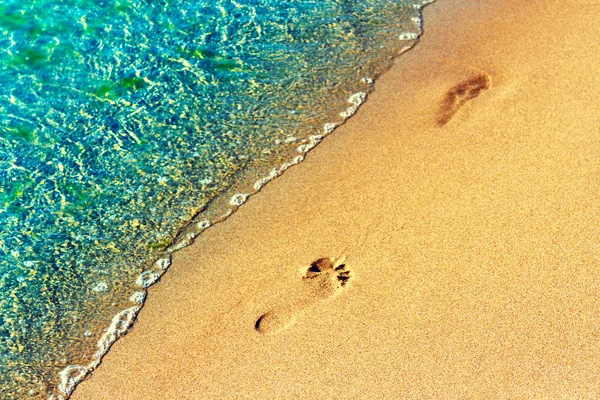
(350, 111)
(367, 81)
(138, 297)
(191, 234)
(147, 279)
(313, 141)
(408, 36)
(356, 100)
(261, 182)
(70, 377)
(329, 127)
(264, 180)
(100, 287)
(180, 244)
(295, 160)
(119, 325)
(204, 224)
(164, 262)
(239, 199)
(304, 148)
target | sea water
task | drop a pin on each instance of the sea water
(129, 126)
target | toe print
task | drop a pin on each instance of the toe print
(343, 275)
(327, 275)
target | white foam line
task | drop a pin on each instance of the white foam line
(163, 263)
(138, 297)
(147, 279)
(313, 141)
(72, 375)
(408, 36)
(150, 276)
(191, 234)
(356, 100)
(329, 127)
(178, 245)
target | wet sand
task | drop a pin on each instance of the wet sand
(465, 198)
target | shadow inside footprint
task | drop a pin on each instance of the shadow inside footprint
(324, 278)
(274, 321)
(329, 272)
(460, 94)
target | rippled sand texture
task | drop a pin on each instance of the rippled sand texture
(122, 120)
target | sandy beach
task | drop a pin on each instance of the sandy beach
(460, 209)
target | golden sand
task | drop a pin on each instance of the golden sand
(465, 197)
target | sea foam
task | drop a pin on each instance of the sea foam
(288, 148)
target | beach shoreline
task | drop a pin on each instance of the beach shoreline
(463, 195)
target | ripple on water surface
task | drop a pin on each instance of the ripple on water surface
(121, 121)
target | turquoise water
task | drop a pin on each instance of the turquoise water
(122, 121)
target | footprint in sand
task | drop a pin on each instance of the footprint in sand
(323, 279)
(457, 96)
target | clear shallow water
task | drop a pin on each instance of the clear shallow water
(120, 121)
